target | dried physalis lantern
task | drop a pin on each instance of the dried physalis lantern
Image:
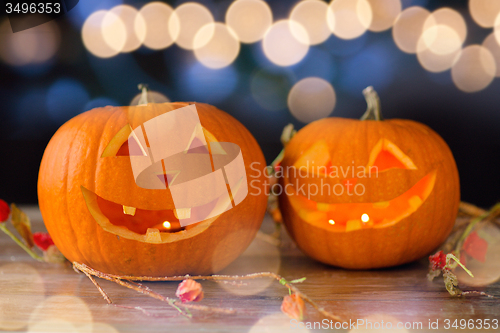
(368, 193)
(148, 190)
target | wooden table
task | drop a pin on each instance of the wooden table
(38, 297)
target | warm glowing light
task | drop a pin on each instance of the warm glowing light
(494, 47)
(332, 222)
(311, 15)
(222, 46)
(17, 303)
(484, 12)
(440, 54)
(453, 21)
(32, 46)
(114, 31)
(128, 15)
(349, 19)
(497, 28)
(365, 218)
(385, 13)
(282, 47)
(409, 27)
(186, 21)
(249, 19)
(93, 39)
(474, 69)
(167, 225)
(151, 25)
(311, 99)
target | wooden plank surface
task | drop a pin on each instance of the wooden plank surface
(38, 297)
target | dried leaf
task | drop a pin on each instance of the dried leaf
(451, 283)
(22, 224)
(293, 306)
(53, 255)
(476, 247)
(189, 291)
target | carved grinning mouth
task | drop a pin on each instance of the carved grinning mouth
(150, 226)
(344, 217)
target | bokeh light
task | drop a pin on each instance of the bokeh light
(474, 69)
(311, 99)
(269, 261)
(438, 48)
(452, 19)
(493, 46)
(114, 31)
(93, 38)
(487, 272)
(85, 8)
(151, 25)
(384, 14)
(311, 15)
(282, 47)
(221, 49)
(68, 312)
(249, 19)
(277, 322)
(349, 19)
(409, 28)
(186, 21)
(32, 46)
(22, 291)
(497, 28)
(484, 12)
(128, 16)
(65, 99)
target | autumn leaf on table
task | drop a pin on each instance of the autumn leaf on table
(22, 223)
(476, 247)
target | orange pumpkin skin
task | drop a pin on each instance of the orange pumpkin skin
(349, 142)
(73, 159)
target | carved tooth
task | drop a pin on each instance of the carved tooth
(129, 210)
(182, 213)
(153, 236)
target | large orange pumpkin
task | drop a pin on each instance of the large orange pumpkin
(98, 215)
(368, 193)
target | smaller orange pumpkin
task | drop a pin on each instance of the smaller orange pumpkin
(368, 193)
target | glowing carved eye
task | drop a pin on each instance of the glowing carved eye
(386, 155)
(122, 144)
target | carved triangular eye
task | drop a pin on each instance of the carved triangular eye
(124, 143)
(386, 155)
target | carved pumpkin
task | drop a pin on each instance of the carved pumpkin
(368, 193)
(98, 215)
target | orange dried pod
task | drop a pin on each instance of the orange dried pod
(368, 193)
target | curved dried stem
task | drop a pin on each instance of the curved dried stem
(145, 290)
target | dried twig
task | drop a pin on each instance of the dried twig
(145, 290)
(90, 272)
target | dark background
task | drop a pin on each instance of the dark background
(468, 122)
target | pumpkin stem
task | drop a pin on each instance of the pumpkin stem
(144, 96)
(373, 105)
